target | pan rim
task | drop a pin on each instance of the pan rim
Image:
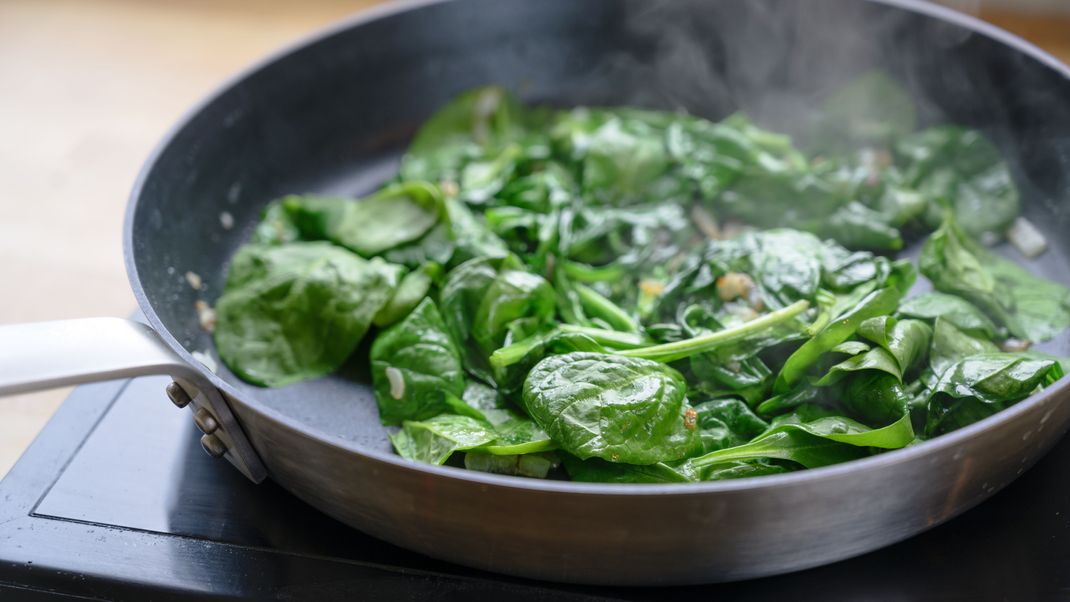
(769, 482)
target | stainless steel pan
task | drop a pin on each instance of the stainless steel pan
(333, 114)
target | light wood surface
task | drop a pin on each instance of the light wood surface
(86, 89)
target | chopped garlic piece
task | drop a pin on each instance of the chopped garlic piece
(1026, 238)
(194, 280)
(205, 315)
(397, 382)
(734, 285)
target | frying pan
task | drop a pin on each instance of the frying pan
(333, 114)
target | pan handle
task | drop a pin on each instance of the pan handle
(46, 355)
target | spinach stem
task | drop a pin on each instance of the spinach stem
(594, 303)
(609, 338)
(511, 354)
(581, 272)
(669, 352)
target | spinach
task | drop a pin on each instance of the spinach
(485, 301)
(978, 386)
(275, 225)
(786, 265)
(653, 297)
(876, 358)
(435, 246)
(416, 369)
(512, 363)
(471, 236)
(951, 345)
(879, 302)
(461, 296)
(434, 440)
(875, 392)
(1029, 307)
(876, 398)
(905, 340)
(476, 120)
(594, 304)
(621, 155)
(740, 469)
(726, 423)
(961, 171)
(296, 311)
(597, 470)
(616, 408)
(959, 312)
(668, 352)
(412, 289)
(824, 441)
(519, 435)
(536, 466)
(395, 215)
(516, 303)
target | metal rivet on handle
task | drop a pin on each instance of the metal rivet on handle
(205, 421)
(178, 395)
(213, 445)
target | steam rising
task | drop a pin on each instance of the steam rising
(777, 61)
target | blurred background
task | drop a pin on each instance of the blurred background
(87, 87)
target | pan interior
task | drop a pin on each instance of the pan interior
(335, 115)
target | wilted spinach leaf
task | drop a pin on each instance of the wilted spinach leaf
(727, 423)
(416, 369)
(597, 470)
(275, 225)
(412, 289)
(434, 440)
(1029, 307)
(963, 171)
(476, 120)
(616, 408)
(961, 313)
(880, 302)
(978, 386)
(535, 465)
(460, 298)
(517, 302)
(821, 442)
(906, 340)
(296, 311)
(395, 215)
(951, 345)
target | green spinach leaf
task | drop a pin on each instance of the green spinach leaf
(978, 386)
(824, 441)
(961, 313)
(434, 440)
(1029, 307)
(484, 118)
(416, 369)
(616, 408)
(395, 215)
(963, 171)
(296, 311)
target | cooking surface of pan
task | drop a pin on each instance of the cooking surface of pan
(333, 116)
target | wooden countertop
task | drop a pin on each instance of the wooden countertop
(87, 90)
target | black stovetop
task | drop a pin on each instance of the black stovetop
(116, 500)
